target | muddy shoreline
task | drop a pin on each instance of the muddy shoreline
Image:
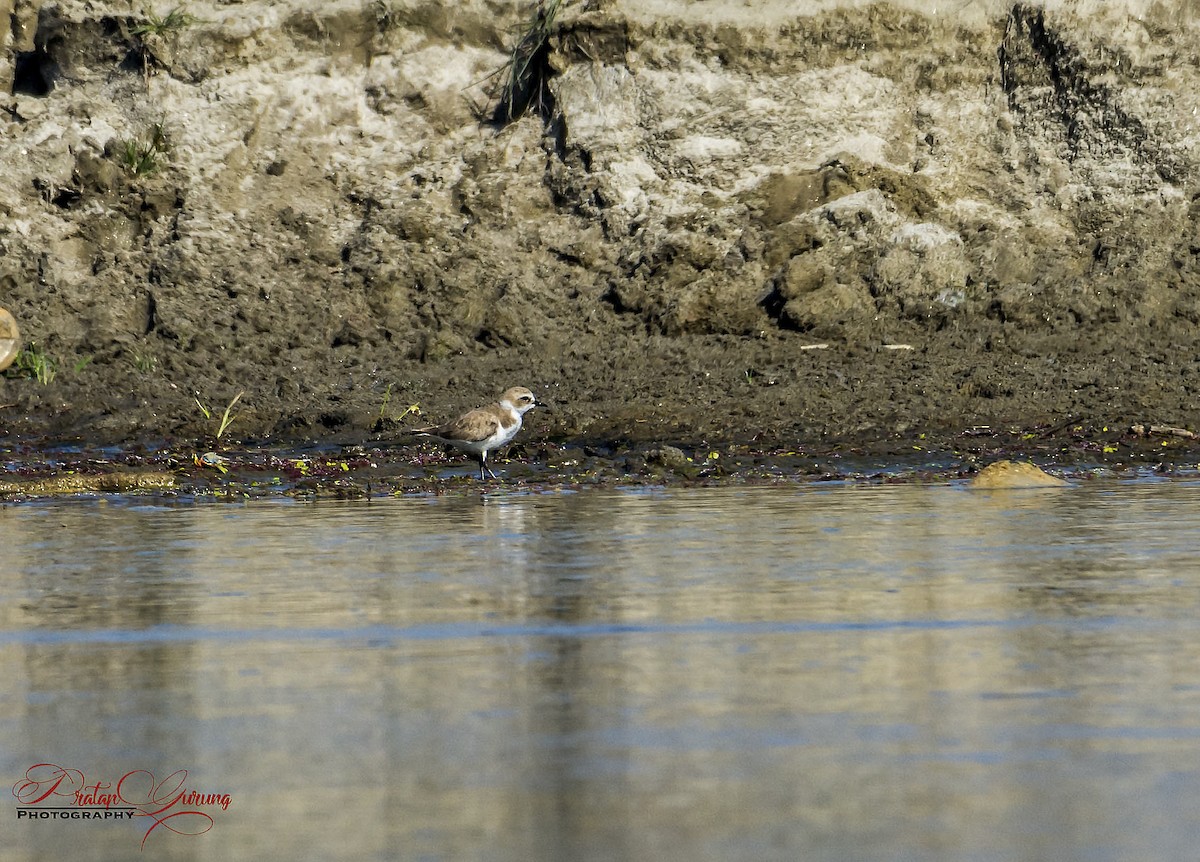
(769, 392)
(740, 414)
(179, 472)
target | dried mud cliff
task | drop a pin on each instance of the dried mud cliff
(719, 220)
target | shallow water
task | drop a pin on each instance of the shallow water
(829, 672)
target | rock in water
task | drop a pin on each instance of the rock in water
(1015, 474)
(10, 339)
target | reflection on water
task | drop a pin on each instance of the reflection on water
(845, 673)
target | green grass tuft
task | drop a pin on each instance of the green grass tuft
(33, 363)
(227, 418)
(143, 157)
(173, 22)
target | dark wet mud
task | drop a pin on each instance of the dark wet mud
(183, 474)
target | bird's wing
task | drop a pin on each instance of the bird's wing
(476, 425)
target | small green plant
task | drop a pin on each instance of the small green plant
(522, 80)
(387, 396)
(168, 25)
(81, 363)
(227, 418)
(151, 37)
(33, 363)
(141, 157)
(144, 362)
(414, 409)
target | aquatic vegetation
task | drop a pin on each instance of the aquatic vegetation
(114, 482)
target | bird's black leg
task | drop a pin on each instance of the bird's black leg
(484, 467)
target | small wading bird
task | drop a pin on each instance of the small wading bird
(485, 428)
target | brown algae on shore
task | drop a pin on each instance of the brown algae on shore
(122, 482)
